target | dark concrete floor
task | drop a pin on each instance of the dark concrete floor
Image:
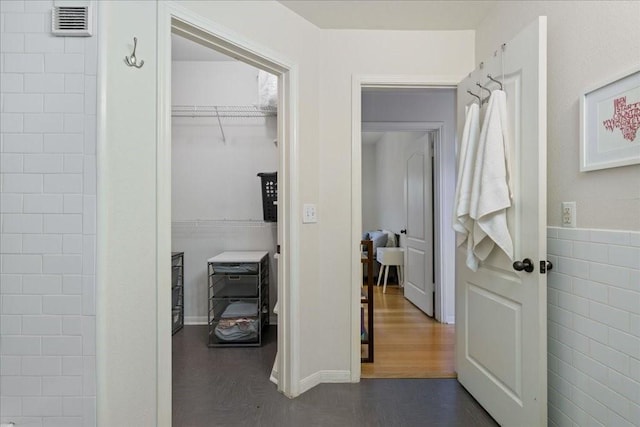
(231, 387)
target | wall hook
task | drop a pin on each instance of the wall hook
(132, 61)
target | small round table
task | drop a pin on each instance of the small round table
(388, 257)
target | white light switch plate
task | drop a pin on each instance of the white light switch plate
(309, 214)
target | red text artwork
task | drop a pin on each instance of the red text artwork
(626, 117)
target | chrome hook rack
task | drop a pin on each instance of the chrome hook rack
(132, 61)
(477, 96)
(494, 80)
(482, 87)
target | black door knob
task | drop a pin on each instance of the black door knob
(403, 231)
(525, 265)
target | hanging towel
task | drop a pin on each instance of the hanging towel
(462, 222)
(491, 190)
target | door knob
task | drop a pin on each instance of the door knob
(403, 231)
(525, 265)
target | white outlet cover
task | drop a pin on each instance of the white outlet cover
(568, 214)
(309, 213)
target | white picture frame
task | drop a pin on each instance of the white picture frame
(610, 123)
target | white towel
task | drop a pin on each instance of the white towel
(462, 222)
(491, 190)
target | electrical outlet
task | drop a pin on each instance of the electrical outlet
(309, 214)
(568, 214)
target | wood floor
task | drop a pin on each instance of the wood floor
(408, 344)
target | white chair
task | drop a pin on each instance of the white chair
(388, 257)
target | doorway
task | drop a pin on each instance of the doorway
(182, 23)
(431, 284)
(397, 197)
(224, 141)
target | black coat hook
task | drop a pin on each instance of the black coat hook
(132, 61)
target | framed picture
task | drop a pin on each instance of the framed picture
(610, 123)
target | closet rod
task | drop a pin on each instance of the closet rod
(218, 111)
(222, 111)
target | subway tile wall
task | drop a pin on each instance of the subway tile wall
(47, 223)
(594, 327)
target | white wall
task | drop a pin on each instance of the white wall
(213, 83)
(216, 193)
(213, 179)
(127, 363)
(369, 191)
(326, 61)
(347, 53)
(48, 209)
(588, 42)
(391, 153)
(594, 288)
(131, 387)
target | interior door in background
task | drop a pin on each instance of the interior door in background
(501, 317)
(418, 243)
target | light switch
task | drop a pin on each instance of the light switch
(309, 214)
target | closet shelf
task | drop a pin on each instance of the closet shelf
(223, 111)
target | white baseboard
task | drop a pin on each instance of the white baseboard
(274, 373)
(195, 320)
(450, 320)
(324, 377)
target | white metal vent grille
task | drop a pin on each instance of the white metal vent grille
(71, 21)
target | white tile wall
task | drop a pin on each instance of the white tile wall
(47, 246)
(10, 325)
(43, 83)
(594, 327)
(41, 365)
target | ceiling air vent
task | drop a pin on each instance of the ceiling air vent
(71, 21)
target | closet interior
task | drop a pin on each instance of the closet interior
(224, 196)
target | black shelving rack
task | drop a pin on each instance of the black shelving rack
(177, 291)
(238, 277)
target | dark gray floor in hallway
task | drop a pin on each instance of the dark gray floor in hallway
(230, 387)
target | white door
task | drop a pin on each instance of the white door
(501, 332)
(418, 286)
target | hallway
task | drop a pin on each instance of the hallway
(408, 344)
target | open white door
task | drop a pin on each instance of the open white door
(501, 314)
(418, 287)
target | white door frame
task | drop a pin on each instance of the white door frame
(445, 253)
(172, 17)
